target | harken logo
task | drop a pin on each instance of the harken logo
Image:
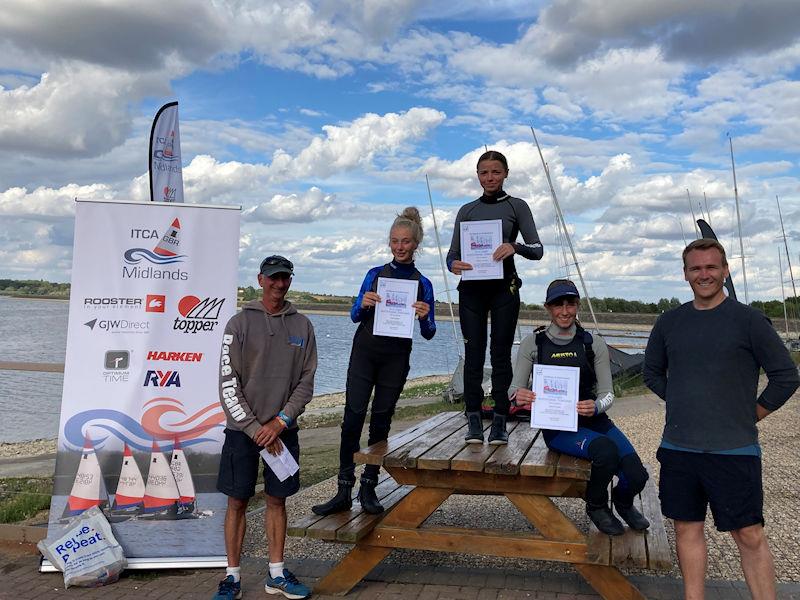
(174, 356)
(157, 378)
(199, 315)
(155, 303)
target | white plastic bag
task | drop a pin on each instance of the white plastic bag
(85, 550)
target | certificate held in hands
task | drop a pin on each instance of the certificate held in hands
(556, 405)
(394, 315)
(479, 240)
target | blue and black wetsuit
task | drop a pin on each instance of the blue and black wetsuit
(597, 438)
(377, 362)
(498, 297)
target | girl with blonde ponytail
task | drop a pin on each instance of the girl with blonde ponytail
(380, 363)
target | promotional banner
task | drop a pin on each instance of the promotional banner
(166, 176)
(141, 426)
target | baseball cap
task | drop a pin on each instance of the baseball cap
(561, 288)
(276, 264)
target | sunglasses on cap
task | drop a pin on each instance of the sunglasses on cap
(273, 265)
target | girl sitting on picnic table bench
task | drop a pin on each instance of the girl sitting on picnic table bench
(564, 342)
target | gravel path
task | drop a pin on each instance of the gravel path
(779, 436)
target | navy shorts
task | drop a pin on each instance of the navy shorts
(729, 484)
(238, 467)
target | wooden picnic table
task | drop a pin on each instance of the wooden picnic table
(429, 462)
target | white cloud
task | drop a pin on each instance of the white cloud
(313, 205)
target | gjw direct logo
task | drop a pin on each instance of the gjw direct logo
(166, 252)
(119, 325)
(198, 315)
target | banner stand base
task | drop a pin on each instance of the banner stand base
(190, 562)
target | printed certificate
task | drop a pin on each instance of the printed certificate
(479, 240)
(556, 405)
(394, 315)
(283, 465)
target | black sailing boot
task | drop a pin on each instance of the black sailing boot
(604, 519)
(341, 502)
(475, 432)
(498, 436)
(629, 513)
(366, 496)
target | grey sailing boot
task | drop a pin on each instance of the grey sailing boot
(342, 501)
(475, 431)
(629, 513)
(604, 519)
(498, 436)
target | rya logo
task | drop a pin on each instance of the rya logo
(162, 379)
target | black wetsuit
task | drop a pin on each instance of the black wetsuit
(377, 362)
(498, 297)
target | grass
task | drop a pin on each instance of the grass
(424, 390)
(630, 386)
(317, 464)
(22, 498)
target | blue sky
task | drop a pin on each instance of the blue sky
(322, 118)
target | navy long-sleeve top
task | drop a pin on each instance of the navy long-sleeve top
(396, 270)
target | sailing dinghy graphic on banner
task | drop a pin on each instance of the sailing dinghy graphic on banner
(161, 492)
(129, 499)
(88, 489)
(183, 477)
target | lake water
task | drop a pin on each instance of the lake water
(36, 331)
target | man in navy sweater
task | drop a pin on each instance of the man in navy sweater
(703, 358)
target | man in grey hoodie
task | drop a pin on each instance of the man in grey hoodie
(269, 358)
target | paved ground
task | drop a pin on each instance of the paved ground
(422, 580)
(21, 582)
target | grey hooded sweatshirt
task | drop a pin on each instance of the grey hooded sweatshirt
(267, 366)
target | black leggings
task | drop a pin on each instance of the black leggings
(387, 373)
(476, 300)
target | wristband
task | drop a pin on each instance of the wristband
(282, 422)
(286, 420)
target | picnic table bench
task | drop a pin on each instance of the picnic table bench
(429, 462)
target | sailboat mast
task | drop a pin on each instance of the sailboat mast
(739, 222)
(694, 218)
(789, 261)
(783, 293)
(708, 214)
(456, 337)
(566, 233)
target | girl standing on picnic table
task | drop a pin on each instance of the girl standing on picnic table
(564, 342)
(498, 297)
(379, 362)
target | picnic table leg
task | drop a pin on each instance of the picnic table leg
(609, 582)
(410, 512)
(542, 512)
